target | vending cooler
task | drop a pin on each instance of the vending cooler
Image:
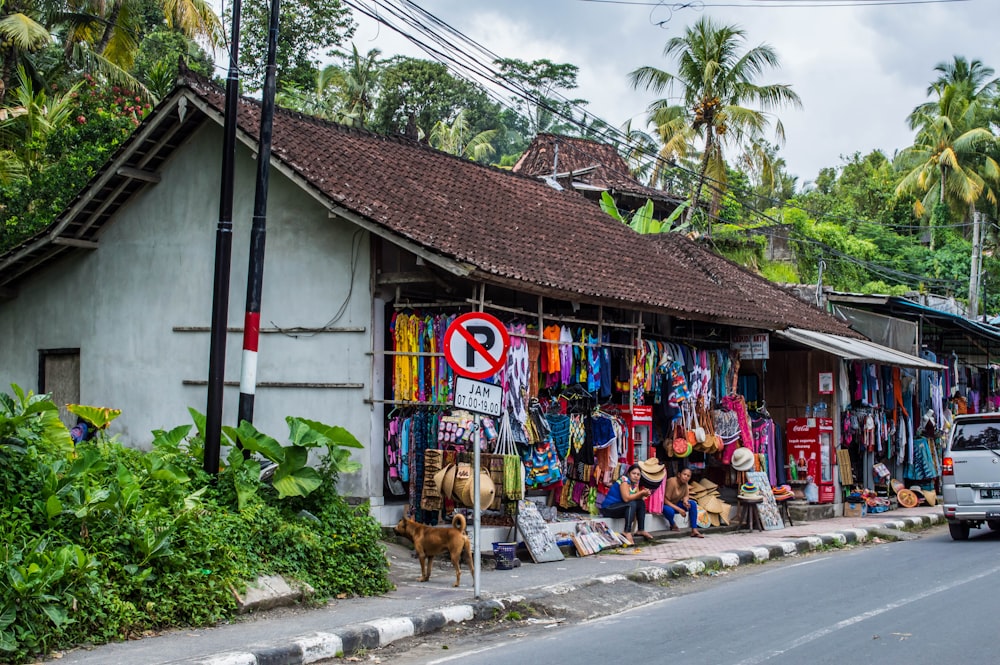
(810, 448)
(639, 421)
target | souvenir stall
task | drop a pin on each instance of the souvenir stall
(566, 427)
(890, 443)
(583, 399)
(853, 418)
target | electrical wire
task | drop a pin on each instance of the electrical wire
(471, 67)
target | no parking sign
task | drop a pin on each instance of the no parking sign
(475, 345)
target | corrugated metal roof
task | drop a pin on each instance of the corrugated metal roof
(855, 349)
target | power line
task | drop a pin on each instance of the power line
(471, 65)
(770, 4)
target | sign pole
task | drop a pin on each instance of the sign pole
(475, 346)
(476, 518)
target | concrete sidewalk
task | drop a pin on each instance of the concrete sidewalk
(343, 627)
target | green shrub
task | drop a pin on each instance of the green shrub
(102, 542)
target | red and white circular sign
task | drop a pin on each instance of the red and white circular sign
(475, 345)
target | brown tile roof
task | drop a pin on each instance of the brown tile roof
(592, 163)
(514, 230)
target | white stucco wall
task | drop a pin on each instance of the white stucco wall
(154, 270)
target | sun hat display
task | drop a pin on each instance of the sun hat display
(464, 486)
(707, 484)
(907, 498)
(445, 480)
(742, 459)
(750, 492)
(653, 472)
(929, 496)
(782, 492)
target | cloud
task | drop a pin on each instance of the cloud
(858, 70)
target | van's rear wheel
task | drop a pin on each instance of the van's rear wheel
(959, 530)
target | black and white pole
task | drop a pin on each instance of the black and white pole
(223, 259)
(258, 230)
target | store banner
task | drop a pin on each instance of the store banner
(752, 346)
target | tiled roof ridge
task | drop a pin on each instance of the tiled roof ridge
(476, 214)
(401, 139)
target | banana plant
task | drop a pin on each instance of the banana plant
(30, 419)
(293, 476)
(642, 219)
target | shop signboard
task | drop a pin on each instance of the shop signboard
(478, 396)
(752, 346)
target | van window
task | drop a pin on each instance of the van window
(976, 436)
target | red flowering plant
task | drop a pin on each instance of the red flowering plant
(102, 118)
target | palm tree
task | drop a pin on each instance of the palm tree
(113, 29)
(320, 102)
(22, 32)
(969, 79)
(455, 139)
(952, 160)
(357, 87)
(717, 83)
(33, 117)
(342, 93)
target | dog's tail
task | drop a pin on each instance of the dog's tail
(458, 521)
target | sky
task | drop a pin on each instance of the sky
(859, 69)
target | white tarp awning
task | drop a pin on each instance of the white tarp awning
(855, 349)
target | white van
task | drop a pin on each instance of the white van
(971, 474)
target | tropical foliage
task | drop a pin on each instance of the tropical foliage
(102, 542)
(76, 78)
(723, 102)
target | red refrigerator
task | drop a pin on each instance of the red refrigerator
(810, 447)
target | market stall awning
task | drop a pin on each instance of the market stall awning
(855, 349)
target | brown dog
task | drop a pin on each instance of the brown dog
(429, 541)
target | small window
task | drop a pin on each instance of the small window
(976, 436)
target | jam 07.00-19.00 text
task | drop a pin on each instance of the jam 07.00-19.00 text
(478, 396)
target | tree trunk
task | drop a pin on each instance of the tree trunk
(109, 28)
(696, 197)
(5, 75)
(940, 201)
(977, 249)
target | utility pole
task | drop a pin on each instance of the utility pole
(255, 270)
(223, 258)
(974, 270)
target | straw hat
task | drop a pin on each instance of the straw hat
(907, 498)
(707, 484)
(653, 471)
(742, 459)
(929, 496)
(445, 480)
(487, 490)
(749, 492)
(713, 505)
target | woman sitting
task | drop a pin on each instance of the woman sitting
(677, 499)
(626, 499)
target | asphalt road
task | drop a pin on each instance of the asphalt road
(928, 600)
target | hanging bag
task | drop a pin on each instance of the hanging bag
(680, 447)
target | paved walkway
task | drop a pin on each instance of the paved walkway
(344, 627)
